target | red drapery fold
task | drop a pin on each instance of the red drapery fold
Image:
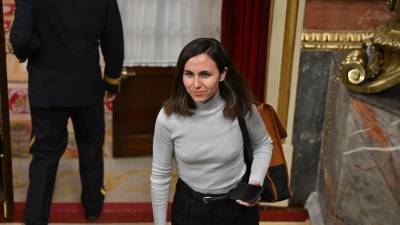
(244, 35)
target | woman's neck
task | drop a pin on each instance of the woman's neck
(211, 103)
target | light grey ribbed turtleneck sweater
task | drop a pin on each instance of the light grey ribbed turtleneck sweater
(208, 149)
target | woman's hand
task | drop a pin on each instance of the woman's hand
(257, 183)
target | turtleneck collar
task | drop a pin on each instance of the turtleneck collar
(210, 104)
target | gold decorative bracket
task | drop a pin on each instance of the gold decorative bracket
(376, 66)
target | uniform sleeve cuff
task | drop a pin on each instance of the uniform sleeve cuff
(112, 85)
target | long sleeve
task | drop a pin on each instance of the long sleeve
(261, 144)
(161, 171)
(112, 46)
(22, 37)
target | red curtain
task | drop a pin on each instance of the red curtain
(244, 35)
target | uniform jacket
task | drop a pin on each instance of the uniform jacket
(61, 40)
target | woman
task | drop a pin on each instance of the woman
(198, 127)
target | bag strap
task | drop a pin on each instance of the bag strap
(247, 150)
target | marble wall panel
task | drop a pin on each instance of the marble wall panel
(371, 126)
(333, 143)
(336, 15)
(358, 176)
(369, 191)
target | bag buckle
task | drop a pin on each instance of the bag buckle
(206, 199)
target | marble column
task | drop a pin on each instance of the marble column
(315, 70)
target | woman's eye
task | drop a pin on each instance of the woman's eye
(188, 74)
(205, 74)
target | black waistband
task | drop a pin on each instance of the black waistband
(205, 198)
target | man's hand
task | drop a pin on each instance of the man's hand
(109, 97)
(9, 48)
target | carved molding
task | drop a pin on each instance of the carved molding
(333, 40)
(388, 36)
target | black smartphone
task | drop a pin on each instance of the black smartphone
(246, 192)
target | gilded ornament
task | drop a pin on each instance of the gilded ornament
(376, 66)
(333, 40)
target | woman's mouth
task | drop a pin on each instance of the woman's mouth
(198, 93)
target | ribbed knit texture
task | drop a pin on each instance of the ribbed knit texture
(208, 150)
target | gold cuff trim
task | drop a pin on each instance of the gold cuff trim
(103, 191)
(5, 211)
(32, 141)
(333, 40)
(112, 81)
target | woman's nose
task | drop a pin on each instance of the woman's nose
(196, 82)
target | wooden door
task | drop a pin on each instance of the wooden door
(6, 185)
(143, 90)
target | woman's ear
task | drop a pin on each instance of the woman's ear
(223, 74)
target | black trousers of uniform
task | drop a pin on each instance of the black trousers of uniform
(48, 143)
(188, 208)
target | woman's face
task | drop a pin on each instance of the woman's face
(201, 77)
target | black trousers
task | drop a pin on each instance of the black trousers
(48, 143)
(188, 208)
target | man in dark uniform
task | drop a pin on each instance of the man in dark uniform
(61, 39)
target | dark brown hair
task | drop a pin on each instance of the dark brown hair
(233, 89)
